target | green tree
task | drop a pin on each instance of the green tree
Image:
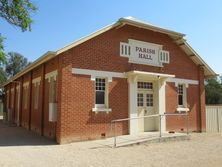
(3, 76)
(2, 55)
(17, 13)
(213, 91)
(15, 62)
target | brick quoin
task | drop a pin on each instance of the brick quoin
(76, 93)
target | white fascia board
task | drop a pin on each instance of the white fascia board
(97, 73)
(88, 37)
(200, 60)
(150, 74)
(143, 24)
(183, 81)
(45, 57)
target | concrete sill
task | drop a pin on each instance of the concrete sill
(102, 110)
(182, 109)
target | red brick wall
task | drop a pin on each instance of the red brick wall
(49, 127)
(179, 123)
(25, 119)
(76, 94)
(78, 122)
(36, 114)
(77, 101)
(36, 120)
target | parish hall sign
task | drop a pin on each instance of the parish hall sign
(140, 52)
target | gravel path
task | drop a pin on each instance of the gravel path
(202, 150)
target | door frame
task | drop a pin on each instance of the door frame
(143, 123)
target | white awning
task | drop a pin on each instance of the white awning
(150, 75)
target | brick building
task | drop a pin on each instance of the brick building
(127, 69)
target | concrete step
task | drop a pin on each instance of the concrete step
(151, 140)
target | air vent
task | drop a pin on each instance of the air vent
(124, 49)
(164, 56)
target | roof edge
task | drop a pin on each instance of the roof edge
(201, 60)
(125, 20)
(86, 38)
(142, 24)
(47, 56)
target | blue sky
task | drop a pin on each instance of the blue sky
(58, 23)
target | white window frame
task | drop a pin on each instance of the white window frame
(53, 92)
(25, 94)
(12, 99)
(183, 107)
(36, 83)
(18, 96)
(102, 107)
(36, 96)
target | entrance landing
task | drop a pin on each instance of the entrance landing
(144, 137)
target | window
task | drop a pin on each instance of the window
(18, 97)
(52, 90)
(52, 98)
(140, 99)
(12, 98)
(36, 95)
(7, 94)
(181, 95)
(149, 100)
(101, 95)
(100, 92)
(25, 96)
(145, 85)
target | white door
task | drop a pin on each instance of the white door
(145, 104)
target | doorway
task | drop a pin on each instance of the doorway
(145, 106)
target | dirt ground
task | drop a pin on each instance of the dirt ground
(21, 148)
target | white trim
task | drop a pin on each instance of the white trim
(133, 41)
(150, 64)
(101, 109)
(150, 74)
(161, 102)
(18, 87)
(88, 37)
(106, 100)
(132, 103)
(36, 80)
(182, 109)
(184, 86)
(26, 84)
(51, 74)
(96, 73)
(183, 81)
(12, 89)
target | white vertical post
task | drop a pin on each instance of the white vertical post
(132, 90)
(162, 103)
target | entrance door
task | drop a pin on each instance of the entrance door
(145, 104)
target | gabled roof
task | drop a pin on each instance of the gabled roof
(178, 37)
